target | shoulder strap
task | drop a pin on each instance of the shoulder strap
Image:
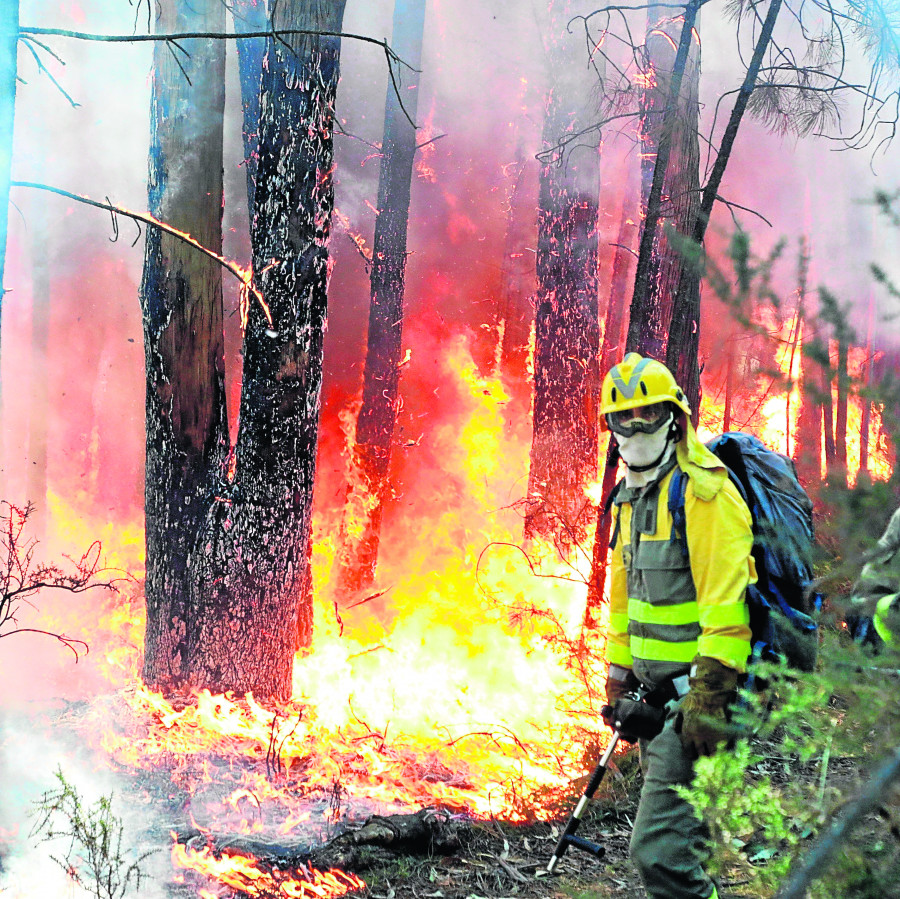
(614, 539)
(677, 486)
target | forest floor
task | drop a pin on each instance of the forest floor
(499, 860)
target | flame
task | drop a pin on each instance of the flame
(240, 873)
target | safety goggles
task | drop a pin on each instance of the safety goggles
(647, 419)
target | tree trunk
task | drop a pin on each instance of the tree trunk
(516, 289)
(250, 16)
(9, 38)
(679, 200)
(808, 445)
(684, 339)
(828, 426)
(181, 300)
(843, 396)
(610, 353)
(369, 486)
(866, 402)
(256, 567)
(566, 369)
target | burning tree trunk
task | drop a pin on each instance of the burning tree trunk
(610, 353)
(566, 371)
(228, 550)
(371, 454)
(840, 420)
(670, 139)
(181, 299)
(9, 39)
(516, 287)
(866, 417)
(808, 445)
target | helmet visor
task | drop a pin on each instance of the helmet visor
(647, 419)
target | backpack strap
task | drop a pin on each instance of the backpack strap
(677, 487)
(614, 539)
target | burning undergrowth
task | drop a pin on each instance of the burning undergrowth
(434, 691)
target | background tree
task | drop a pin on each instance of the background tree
(181, 302)
(9, 38)
(566, 374)
(369, 485)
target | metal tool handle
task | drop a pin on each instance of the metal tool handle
(568, 837)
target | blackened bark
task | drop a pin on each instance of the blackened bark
(866, 417)
(679, 200)
(9, 38)
(682, 356)
(840, 418)
(808, 446)
(566, 369)
(643, 309)
(369, 486)
(516, 316)
(610, 353)
(256, 562)
(181, 300)
(250, 17)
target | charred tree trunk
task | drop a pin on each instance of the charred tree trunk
(516, 288)
(369, 486)
(678, 202)
(566, 369)
(250, 17)
(256, 571)
(9, 38)
(181, 300)
(828, 425)
(610, 353)
(684, 339)
(808, 445)
(866, 417)
(843, 398)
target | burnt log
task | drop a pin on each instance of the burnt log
(379, 838)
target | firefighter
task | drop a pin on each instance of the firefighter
(678, 627)
(878, 589)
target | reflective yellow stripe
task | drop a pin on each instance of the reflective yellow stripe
(882, 610)
(728, 615)
(616, 654)
(731, 651)
(647, 613)
(618, 622)
(662, 650)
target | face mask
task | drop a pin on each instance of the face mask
(642, 449)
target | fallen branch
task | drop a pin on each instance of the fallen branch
(427, 832)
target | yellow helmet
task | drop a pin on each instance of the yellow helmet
(640, 381)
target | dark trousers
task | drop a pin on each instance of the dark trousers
(668, 840)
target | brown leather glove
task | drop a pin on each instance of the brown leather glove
(703, 720)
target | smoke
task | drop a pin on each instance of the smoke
(31, 751)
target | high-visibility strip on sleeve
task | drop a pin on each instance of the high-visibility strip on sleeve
(618, 622)
(619, 654)
(733, 614)
(730, 651)
(882, 610)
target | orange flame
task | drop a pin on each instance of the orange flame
(240, 873)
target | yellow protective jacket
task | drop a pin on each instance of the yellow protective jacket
(878, 587)
(665, 609)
